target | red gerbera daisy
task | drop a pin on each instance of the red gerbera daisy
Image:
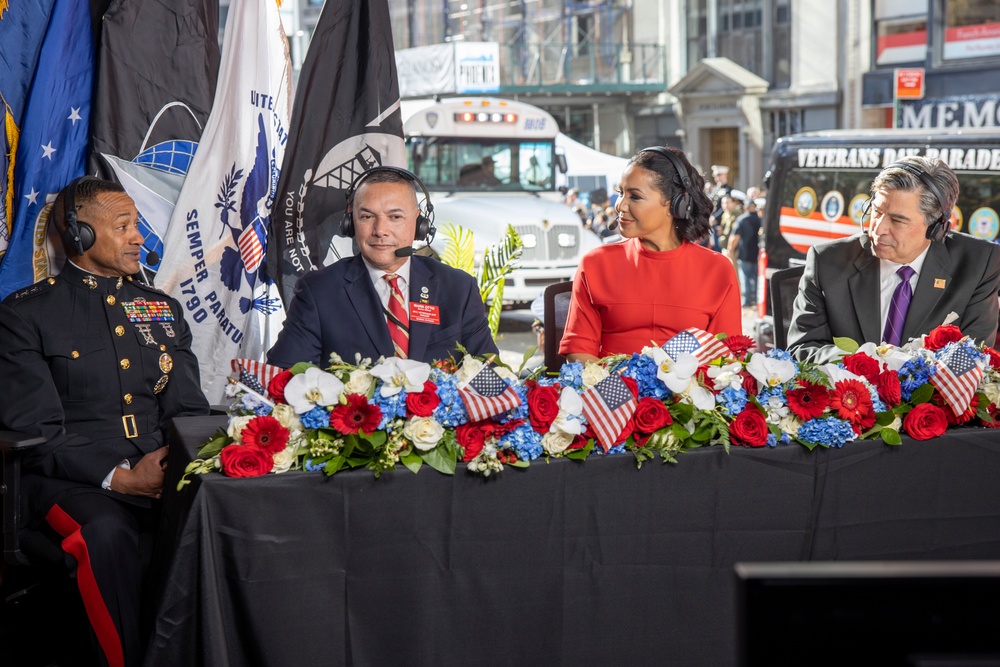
(808, 401)
(852, 402)
(265, 432)
(739, 345)
(953, 419)
(357, 415)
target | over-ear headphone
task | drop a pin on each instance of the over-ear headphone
(680, 203)
(937, 230)
(78, 235)
(425, 218)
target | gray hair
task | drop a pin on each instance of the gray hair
(898, 178)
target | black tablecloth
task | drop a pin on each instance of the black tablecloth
(565, 563)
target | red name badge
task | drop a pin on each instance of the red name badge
(425, 312)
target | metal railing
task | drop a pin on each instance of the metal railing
(526, 67)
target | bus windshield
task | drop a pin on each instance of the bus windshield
(482, 164)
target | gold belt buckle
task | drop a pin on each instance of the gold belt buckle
(131, 431)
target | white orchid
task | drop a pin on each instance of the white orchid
(727, 375)
(677, 373)
(699, 397)
(770, 372)
(398, 374)
(313, 388)
(890, 356)
(837, 373)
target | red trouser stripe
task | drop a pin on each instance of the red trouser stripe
(100, 618)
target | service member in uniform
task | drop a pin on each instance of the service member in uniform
(98, 363)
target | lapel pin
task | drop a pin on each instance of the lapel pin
(939, 283)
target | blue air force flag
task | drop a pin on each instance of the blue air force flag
(218, 231)
(52, 147)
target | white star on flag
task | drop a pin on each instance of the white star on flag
(48, 150)
(74, 114)
(32, 196)
(487, 394)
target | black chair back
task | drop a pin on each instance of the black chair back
(556, 299)
(782, 287)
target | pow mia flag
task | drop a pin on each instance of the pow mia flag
(346, 119)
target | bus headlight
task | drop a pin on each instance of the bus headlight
(529, 240)
(566, 240)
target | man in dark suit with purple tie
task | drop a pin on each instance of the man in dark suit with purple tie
(385, 301)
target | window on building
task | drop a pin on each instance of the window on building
(786, 121)
(740, 36)
(697, 32)
(900, 31)
(781, 45)
(971, 29)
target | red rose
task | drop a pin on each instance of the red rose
(543, 406)
(651, 415)
(579, 442)
(994, 357)
(265, 432)
(925, 421)
(887, 384)
(422, 403)
(941, 336)
(276, 387)
(749, 429)
(739, 345)
(863, 365)
(749, 383)
(808, 401)
(471, 437)
(244, 461)
(357, 415)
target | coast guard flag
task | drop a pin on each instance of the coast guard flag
(52, 147)
(487, 394)
(703, 345)
(218, 231)
(608, 406)
(957, 377)
(346, 120)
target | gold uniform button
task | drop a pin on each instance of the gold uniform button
(125, 363)
(74, 354)
(111, 299)
(119, 330)
(163, 348)
(52, 281)
(128, 399)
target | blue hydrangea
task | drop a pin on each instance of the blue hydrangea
(521, 411)
(316, 418)
(772, 440)
(732, 400)
(392, 407)
(913, 374)
(250, 403)
(784, 355)
(765, 395)
(571, 375)
(826, 431)
(451, 411)
(643, 370)
(877, 403)
(523, 440)
(599, 450)
(309, 466)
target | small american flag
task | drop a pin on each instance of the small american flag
(957, 378)
(608, 406)
(703, 345)
(264, 373)
(250, 381)
(252, 246)
(487, 394)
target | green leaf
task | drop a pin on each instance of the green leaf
(848, 345)
(499, 261)
(520, 464)
(411, 461)
(582, 453)
(890, 436)
(460, 250)
(885, 418)
(219, 441)
(439, 459)
(922, 394)
(301, 367)
(334, 465)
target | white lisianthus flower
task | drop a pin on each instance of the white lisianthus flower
(789, 424)
(675, 373)
(727, 375)
(236, 426)
(592, 374)
(313, 388)
(556, 442)
(776, 410)
(469, 369)
(770, 372)
(284, 459)
(359, 382)
(285, 414)
(424, 432)
(398, 374)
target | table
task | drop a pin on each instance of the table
(565, 563)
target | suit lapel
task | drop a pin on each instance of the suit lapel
(864, 286)
(423, 286)
(937, 265)
(367, 307)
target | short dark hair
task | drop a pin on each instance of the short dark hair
(388, 176)
(86, 190)
(668, 182)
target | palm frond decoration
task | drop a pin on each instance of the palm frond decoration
(499, 261)
(460, 250)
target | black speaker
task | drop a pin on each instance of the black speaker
(937, 230)
(680, 203)
(425, 218)
(78, 236)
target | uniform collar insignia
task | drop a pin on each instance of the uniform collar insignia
(90, 281)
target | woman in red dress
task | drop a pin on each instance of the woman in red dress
(658, 280)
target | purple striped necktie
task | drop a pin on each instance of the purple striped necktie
(898, 306)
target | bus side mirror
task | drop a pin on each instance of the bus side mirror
(561, 163)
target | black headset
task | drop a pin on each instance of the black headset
(425, 218)
(937, 230)
(78, 235)
(680, 203)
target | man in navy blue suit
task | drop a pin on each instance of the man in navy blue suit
(351, 307)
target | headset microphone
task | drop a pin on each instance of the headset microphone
(613, 225)
(152, 257)
(405, 251)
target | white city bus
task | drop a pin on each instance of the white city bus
(489, 163)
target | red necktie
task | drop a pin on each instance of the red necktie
(396, 317)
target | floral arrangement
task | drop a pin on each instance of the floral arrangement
(696, 390)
